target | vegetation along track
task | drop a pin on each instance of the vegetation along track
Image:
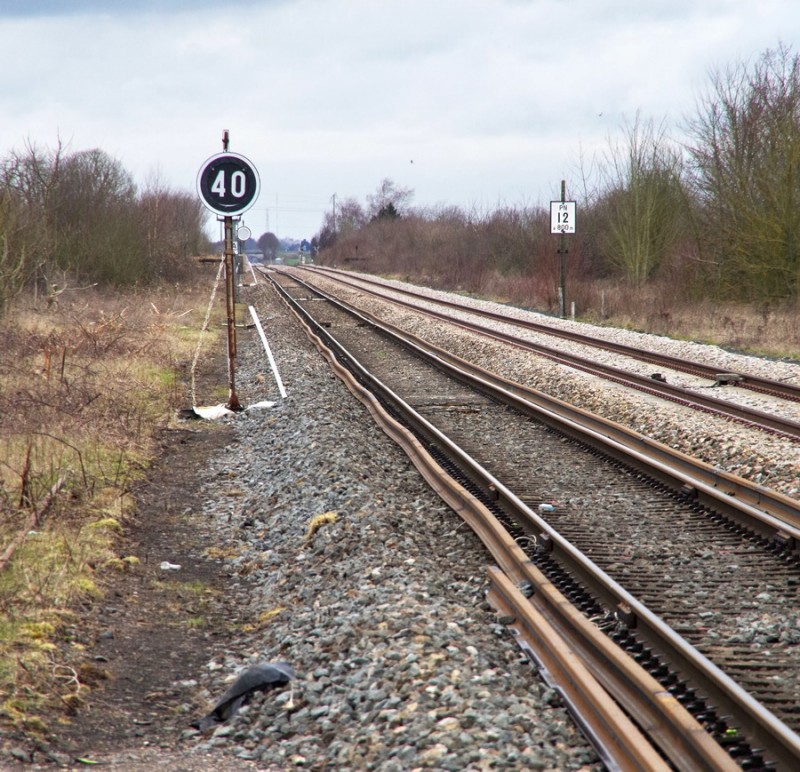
(779, 418)
(727, 590)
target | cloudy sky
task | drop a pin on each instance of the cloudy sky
(474, 103)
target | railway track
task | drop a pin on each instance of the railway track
(656, 384)
(663, 565)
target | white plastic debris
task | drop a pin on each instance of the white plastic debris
(212, 412)
(167, 566)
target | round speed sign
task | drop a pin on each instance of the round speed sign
(228, 183)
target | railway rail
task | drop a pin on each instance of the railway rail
(752, 381)
(655, 384)
(754, 710)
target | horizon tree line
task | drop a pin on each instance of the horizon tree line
(717, 214)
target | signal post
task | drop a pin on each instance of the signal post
(228, 185)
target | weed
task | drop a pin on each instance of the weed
(317, 522)
(263, 619)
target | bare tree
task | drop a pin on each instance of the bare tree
(28, 180)
(350, 217)
(172, 222)
(388, 201)
(12, 258)
(641, 199)
(746, 169)
(97, 221)
(79, 215)
(269, 244)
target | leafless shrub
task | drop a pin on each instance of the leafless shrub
(80, 214)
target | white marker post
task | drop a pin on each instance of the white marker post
(272, 364)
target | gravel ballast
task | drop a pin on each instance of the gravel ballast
(765, 459)
(355, 573)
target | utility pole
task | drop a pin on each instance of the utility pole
(333, 198)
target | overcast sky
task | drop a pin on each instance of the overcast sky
(474, 103)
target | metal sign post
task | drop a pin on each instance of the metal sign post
(228, 184)
(230, 301)
(242, 234)
(562, 221)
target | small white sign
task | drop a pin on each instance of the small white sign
(562, 217)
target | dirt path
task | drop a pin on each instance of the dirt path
(154, 631)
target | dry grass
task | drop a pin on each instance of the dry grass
(758, 328)
(85, 387)
(659, 309)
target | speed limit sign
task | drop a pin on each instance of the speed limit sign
(228, 183)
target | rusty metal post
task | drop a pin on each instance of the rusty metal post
(230, 301)
(233, 400)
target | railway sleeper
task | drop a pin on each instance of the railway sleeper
(693, 701)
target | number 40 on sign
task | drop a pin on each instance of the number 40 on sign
(228, 184)
(562, 217)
